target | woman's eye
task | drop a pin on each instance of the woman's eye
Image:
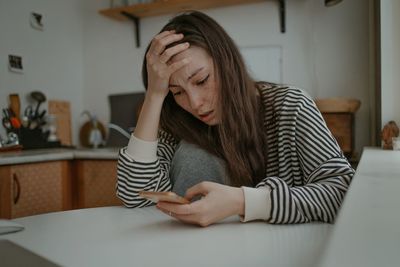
(203, 81)
(176, 93)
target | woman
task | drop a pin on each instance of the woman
(257, 150)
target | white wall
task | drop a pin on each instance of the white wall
(324, 50)
(390, 64)
(52, 58)
(341, 58)
(111, 60)
(113, 63)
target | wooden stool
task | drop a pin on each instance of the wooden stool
(338, 114)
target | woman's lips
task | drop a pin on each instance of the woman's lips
(206, 116)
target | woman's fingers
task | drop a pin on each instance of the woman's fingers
(181, 209)
(163, 34)
(193, 213)
(187, 213)
(159, 42)
(172, 51)
(186, 218)
(199, 189)
(158, 70)
(218, 202)
(157, 37)
(177, 65)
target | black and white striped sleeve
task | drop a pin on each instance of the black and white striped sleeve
(326, 173)
(136, 173)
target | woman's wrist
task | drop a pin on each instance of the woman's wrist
(149, 118)
(155, 97)
(239, 201)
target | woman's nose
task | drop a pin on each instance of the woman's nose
(196, 100)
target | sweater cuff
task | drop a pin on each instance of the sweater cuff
(257, 203)
(142, 151)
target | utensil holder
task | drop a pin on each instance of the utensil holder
(35, 138)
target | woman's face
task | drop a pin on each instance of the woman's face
(195, 87)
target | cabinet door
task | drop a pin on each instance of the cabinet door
(96, 180)
(29, 189)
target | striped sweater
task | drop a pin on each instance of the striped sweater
(307, 175)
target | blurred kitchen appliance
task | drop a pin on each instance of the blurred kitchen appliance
(124, 110)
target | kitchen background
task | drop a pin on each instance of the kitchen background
(82, 56)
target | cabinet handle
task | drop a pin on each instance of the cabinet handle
(16, 187)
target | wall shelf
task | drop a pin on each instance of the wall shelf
(162, 7)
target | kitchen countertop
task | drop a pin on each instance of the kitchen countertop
(51, 154)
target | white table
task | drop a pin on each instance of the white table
(117, 236)
(367, 230)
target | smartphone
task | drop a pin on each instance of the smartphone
(163, 196)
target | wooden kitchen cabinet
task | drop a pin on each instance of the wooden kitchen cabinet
(41, 181)
(94, 183)
(34, 188)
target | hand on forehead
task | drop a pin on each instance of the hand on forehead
(199, 60)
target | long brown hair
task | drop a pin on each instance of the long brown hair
(239, 138)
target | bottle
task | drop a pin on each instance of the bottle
(52, 127)
(95, 136)
(92, 132)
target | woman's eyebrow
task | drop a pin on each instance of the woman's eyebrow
(194, 73)
(190, 77)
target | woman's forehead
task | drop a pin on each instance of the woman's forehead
(194, 52)
(199, 60)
